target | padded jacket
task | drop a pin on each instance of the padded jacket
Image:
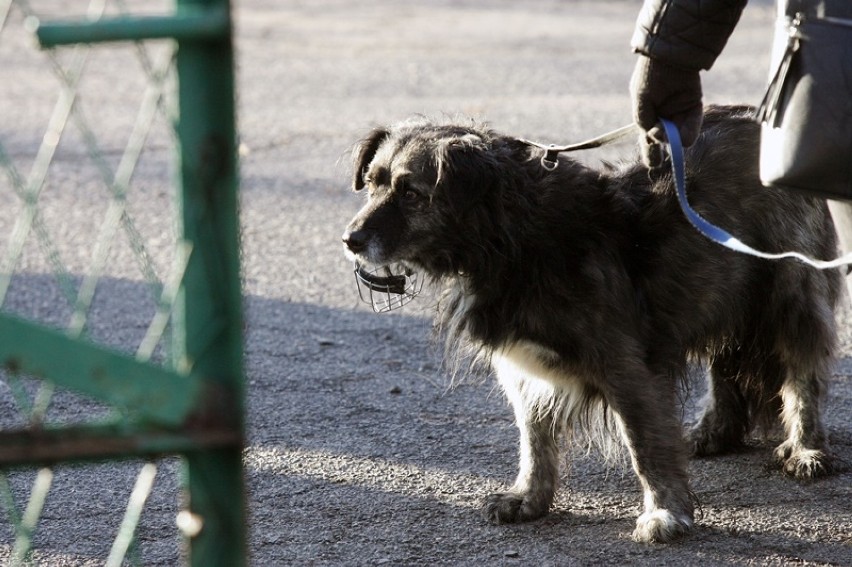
(685, 33)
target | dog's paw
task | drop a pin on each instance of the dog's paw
(661, 526)
(801, 463)
(704, 440)
(512, 508)
(701, 444)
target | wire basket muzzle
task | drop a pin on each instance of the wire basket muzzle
(385, 290)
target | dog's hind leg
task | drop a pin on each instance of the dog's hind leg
(645, 407)
(804, 453)
(806, 344)
(724, 419)
(532, 493)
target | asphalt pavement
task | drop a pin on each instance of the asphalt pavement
(361, 449)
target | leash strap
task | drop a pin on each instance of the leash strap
(550, 159)
(717, 234)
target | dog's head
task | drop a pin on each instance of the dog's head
(423, 182)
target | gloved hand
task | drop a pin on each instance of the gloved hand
(659, 90)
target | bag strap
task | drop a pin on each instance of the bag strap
(717, 234)
(767, 112)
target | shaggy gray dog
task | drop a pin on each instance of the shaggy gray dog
(587, 292)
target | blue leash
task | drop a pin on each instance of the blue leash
(717, 234)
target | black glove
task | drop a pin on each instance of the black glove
(659, 90)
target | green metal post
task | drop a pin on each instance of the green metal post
(209, 301)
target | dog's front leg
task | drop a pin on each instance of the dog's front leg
(532, 494)
(646, 408)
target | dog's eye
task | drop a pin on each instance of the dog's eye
(411, 196)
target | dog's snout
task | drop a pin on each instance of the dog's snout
(355, 240)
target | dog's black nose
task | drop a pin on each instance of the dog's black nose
(355, 240)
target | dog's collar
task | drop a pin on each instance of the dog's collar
(550, 159)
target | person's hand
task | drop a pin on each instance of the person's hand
(659, 90)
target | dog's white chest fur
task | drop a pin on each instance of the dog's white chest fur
(528, 359)
(531, 374)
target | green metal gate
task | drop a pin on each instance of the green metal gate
(190, 404)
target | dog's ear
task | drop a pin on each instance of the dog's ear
(467, 170)
(364, 153)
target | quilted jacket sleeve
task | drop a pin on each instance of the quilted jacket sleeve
(686, 33)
